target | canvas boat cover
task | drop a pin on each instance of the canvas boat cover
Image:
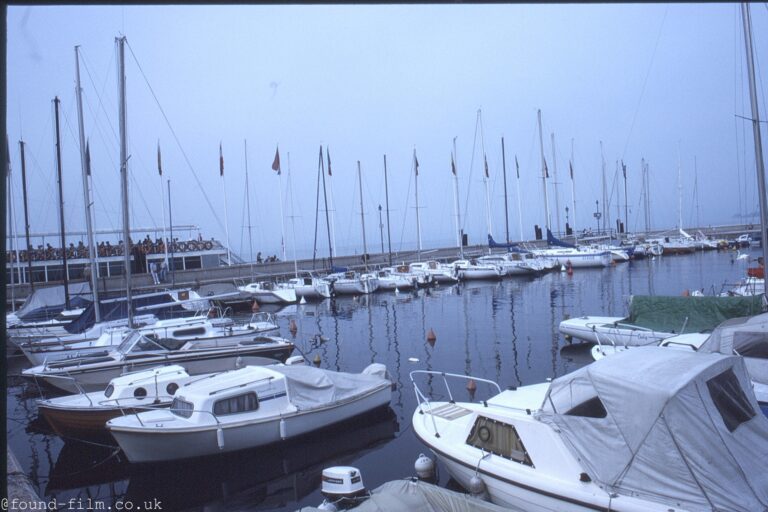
(675, 427)
(696, 314)
(310, 387)
(51, 300)
(747, 337)
(415, 496)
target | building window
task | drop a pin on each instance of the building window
(192, 262)
(236, 404)
(730, 400)
(498, 438)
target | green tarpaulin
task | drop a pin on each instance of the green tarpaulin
(688, 314)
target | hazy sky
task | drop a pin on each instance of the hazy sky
(369, 80)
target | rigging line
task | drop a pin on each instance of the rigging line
(405, 213)
(469, 179)
(645, 82)
(176, 138)
(103, 90)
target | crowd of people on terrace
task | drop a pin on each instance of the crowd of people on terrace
(80, 251)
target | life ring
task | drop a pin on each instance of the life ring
(192, 246)
(484, 434)
(208, 245)
(182, 246)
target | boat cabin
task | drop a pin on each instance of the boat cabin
(154, 383)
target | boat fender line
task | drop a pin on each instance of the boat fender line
(283, 430)
(220, 438)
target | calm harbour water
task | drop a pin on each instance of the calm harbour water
(505, 331)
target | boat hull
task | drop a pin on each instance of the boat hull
(83, 423)
(156, 445)
(601, 329)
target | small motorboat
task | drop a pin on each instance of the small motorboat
(473, 269)
(352, 283)
(509, 266)
(389, 280)
(268, 292)
(442, 273)
(138, 352)
(648, 429)
(247, 408)
(309, 287)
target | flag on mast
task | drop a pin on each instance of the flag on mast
(570, 165)
(328, 154)
(486, 166)
(276, 161)
(221, 161)
(415, 162)
(624, 169)
(546, 170)
(453, 165)
(159, 163)
(517, 167)
(88, 157)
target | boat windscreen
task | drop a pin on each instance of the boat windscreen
(134, 342)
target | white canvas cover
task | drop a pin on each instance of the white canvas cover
(415, 496)
(310, 387)
(659, 434)
(746, 336)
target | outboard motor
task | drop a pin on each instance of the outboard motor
(342, 487)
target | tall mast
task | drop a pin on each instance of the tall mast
(454, 169)
(486, 176)
(124, 178)
(504, 170)
(696, 190)
(224, 192)
(605, 212)
(171, 266)
(418, 222)
(325, 198)
(280, 189)
(162, 201)
(626, 198)
(556, 183)
(544, 175)
(618, 197)
(362, 215)
(61, 203)
(519, 201)
(679, 191)
(86, 171)
(11, 222)
(386, 197)
(573, 187)
(293, 219)
(26, 213)
(248, 204)
(759, 166)
(646, 217)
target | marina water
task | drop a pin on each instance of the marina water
(503, 331)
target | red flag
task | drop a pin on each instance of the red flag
(517, 166)
(328, 154)
(415, 162)
(276, 162)
(453, 165)
(159, 164)
(486, 167)
(221, 161)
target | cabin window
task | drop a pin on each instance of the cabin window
(236, 404)
(140, 392)
(592, 408)
(498, 438)
(181, 408)
(751, 344)
(171, 388)
(730, 399)
(190, 332)
(108, 392)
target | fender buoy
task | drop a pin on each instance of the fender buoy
(208, 245)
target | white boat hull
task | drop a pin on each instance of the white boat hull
(580, 259)
(602, 330)
(148, 445)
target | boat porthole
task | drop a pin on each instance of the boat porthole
(140, 393)
(171, 388)
(484, 433)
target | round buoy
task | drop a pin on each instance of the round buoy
(255, 306)
(686, 293)
(569, 267)
(425, 467)
(292, 327)
(316, 360)
(476, 486)
(431, 337)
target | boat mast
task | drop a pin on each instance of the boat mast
(171, 266)
(544, 175)
(162, 201)
(293, 219)
(606, 211)
(504, 170)
(317, 206)
(325, 198)
(11, 222)
(759, 166)
(519, 202)
(224, 192)
(386, 197)
(26, 213)
(362, 215)
(696, 190)
(124, 178)
(418, 222)
(248, 204)
(459, 231)
(573, 187)
(626, 198)
(556, 183)
(280, 189)
(61, 203)
(486, 176)
(679, 191)
(86, 171)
